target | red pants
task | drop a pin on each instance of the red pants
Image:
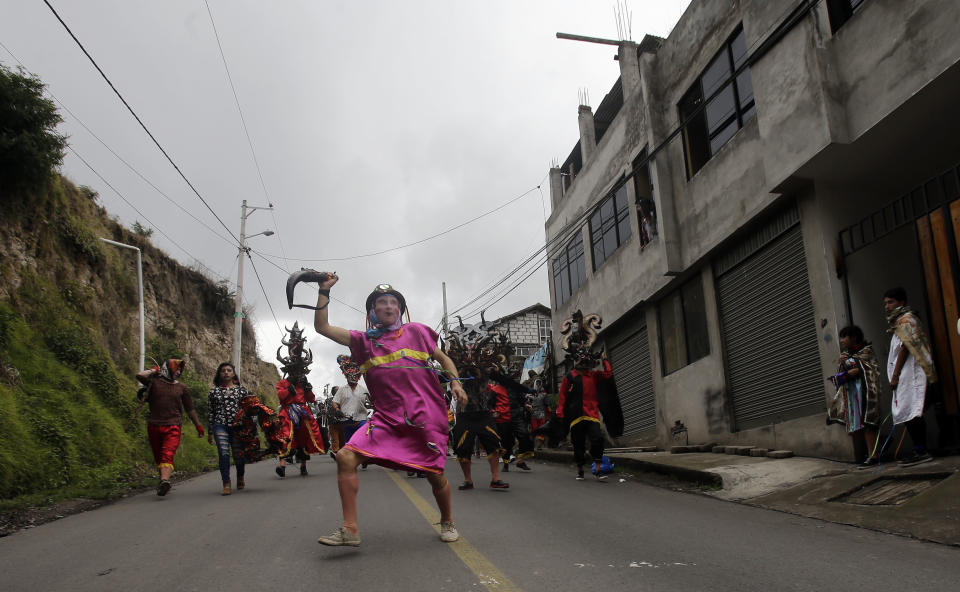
(164, 440)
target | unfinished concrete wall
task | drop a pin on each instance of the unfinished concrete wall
(888, 51)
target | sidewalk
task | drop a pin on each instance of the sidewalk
(922, 501)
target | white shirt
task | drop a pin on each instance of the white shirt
(351, 401)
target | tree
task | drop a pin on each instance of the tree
(30, 147)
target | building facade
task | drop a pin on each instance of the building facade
(528, 329)
(750, 185)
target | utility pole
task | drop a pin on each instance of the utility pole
(244, 251)
(143, 344)
(446, 325)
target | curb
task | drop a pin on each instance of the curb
(684, 474)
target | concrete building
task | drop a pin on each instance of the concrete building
(751, 184)
(528, 329)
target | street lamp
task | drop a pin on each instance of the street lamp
(143, 344)
(245, 212)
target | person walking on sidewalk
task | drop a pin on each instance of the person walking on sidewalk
(408, 428)
(857, 404)
(910, 370)
(223, 404)
(166, 396)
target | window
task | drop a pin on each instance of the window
(569, 270)
(646, 208)
(840, 11)
(707, 129)
(544, 330)
(609, 226)
(683, 326)
(525, 351)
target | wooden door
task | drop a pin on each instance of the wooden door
(940, 252)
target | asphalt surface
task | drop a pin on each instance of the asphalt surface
(548, 532)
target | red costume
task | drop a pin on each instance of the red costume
(579, 400)
(299, 427)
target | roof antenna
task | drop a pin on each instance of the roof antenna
(624, 20)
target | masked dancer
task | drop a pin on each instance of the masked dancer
(584, 405)
(300, 428)
(474, 351)
(167, 398)
(408, 429)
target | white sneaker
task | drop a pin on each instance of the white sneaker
(341, 537)
(448, 532)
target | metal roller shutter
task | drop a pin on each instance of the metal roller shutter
(630, 359)
(769, 328)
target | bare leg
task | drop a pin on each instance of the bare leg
(467, 473)
(870, 435)
(441, 493)
(494, 466)
(165, 473)
(349, 485)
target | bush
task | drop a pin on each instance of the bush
(30, 147)
(141, 230)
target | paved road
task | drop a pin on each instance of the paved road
(548, 532)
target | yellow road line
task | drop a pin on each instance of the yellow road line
(488, 574)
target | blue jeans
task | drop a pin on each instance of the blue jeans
(223, 435)
(350, 428)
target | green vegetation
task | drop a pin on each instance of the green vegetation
(30, 147)
(141, 230)
(62, 422)
(70, 425)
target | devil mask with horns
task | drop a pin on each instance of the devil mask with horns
(296, 362)
(351, 370)
(579, 334)
(475, 351)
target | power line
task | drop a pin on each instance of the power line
(423, 240)
(160, 230)
(335, 299)
(246, 130)
(135, 116)
(563, 236)
(120, 158)
(551, 248)
(262, 289)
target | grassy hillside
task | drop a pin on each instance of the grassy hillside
(69, 324)
(68, 348)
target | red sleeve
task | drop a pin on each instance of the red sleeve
(562, 399)
(607, 372)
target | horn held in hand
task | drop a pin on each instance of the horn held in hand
(304, 275)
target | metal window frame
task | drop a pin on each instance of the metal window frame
(617, 219)
(739, 109)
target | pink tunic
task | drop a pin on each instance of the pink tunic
(408, 428)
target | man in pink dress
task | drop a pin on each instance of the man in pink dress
(408, 429)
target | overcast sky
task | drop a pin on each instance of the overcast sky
(375, 124)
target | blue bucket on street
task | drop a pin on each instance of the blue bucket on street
(606, 466)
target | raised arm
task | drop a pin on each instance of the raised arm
(321, 320)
